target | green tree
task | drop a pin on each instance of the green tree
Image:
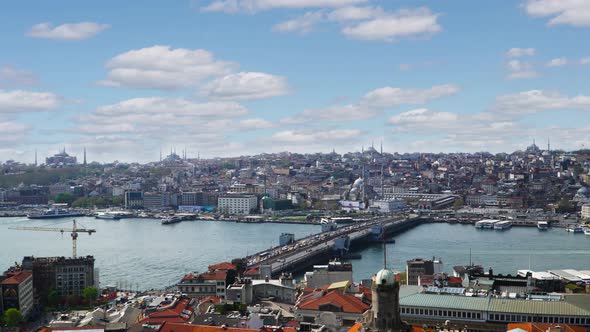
(52, 297)
(64, 198)
(12, 317)
(90, 294)
(564, 206)
(458, 203)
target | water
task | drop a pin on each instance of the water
(141, 253)
(505, 251)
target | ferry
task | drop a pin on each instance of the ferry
(54, 213)
(587, 231)
(542, 225)
(108, 215)
(171, 220)
(486, 223)
(502, 225)
(575, 229)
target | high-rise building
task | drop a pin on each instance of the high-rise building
(67, 276)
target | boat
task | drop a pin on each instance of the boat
(502, 225)
(587, 231)
(108, 215)
(54, 213)
(486, 223)
(575, 229)
(171, 220)
(542, 225)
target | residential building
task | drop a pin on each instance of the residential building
(323, 275)
(237, 204)
(17, 292)
(418, 266)
(333, 309)
(586, 211)
(68, 276)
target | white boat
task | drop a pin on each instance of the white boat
(542, 225)
(502, 225)
(574, 229)
(108, 215)
(587, 231)
(486, 223)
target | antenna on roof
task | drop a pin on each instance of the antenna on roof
(384, 248)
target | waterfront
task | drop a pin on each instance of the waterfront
(142, 253)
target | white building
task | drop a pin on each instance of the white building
(389, 205)
(237, 204)
(586, 211)
(323, 275)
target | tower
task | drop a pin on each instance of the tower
(84, 156)
(385, 314)
(35, 157)
(381, 147)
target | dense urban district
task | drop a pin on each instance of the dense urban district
(359, 197)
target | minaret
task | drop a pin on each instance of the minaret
(160, 154)
(548, 144)
(84, 156)
(35, 157)
(381, 146)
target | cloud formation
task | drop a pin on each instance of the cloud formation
(246, 86)
(14, 101)
(10, 76)
(162, 67)
(302, 24)
(566, 12)
(253, 6)
(68, 31)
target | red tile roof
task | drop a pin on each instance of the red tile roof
(175, 314)
(214, 275)
(253, 271)
(18, 278)
(211, 299)
(222, 266)
(348, 303)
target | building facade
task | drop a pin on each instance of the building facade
(237, 204)
(17, 292)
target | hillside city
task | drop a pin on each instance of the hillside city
(356, 196)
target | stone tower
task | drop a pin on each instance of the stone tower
(385, 316)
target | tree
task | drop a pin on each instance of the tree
(12, 317)
(564, 206)
(458, 203)
(52, 297)
(64, 198)
(90, 294)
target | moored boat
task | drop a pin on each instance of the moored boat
(54, 213)
(502, 225)
(542, 225)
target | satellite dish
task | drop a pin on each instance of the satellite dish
(328, 318)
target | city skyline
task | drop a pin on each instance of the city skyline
(222, 78)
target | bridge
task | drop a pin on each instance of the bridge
(320, 247)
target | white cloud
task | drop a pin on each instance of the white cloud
(316, 137)
(557, 62)
(337, 113)
(585, 61)
(172, 106)
(10, 76)
(520, 70)
(354, 13)
(246, 86)
(424, 118)
(12, 132)
(517, 52)
(391, 96)
(254, 124)
(568, 12)
(390, 27)
(253, 6)
(302, 24)
(69, 31)
(27, 101)
(533, 101)
(161, 67)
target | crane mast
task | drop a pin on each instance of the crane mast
(73, 233)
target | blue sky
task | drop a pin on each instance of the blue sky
(235, 77)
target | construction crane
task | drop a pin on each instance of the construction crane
(73, 232)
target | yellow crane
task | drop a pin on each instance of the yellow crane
(73, 232)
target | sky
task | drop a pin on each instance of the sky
(219, 78)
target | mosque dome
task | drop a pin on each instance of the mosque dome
(358, 182)
(385, 277)
(584, 191)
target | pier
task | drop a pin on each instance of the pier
(320, 247)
